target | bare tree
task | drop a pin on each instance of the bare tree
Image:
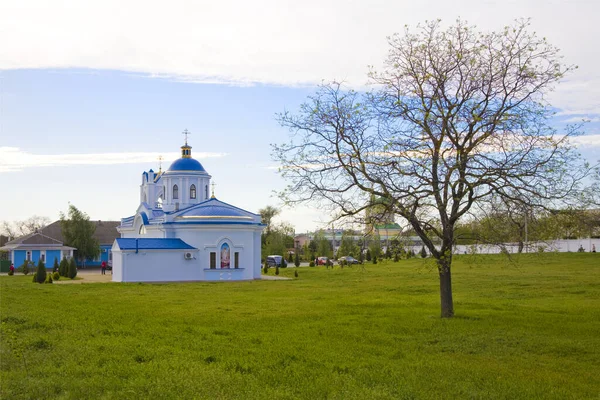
(456, 116)
(17, 229)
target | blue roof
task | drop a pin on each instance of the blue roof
(186, 164)
(153, 244)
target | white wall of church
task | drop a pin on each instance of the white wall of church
(156, 266)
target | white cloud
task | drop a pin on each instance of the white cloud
(14, 159)
(586, 141)
(574, 120)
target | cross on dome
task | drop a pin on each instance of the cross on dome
(186, 133)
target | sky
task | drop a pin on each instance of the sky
(92, 93)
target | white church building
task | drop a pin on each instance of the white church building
(180, 233)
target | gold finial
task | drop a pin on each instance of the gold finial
(160, 159)
(213, 190)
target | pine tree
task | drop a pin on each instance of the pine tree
(63, 268)
(72, 268)
(55, 266)
(423, 252)
(40, 273)
(25, 267)
(297, 260)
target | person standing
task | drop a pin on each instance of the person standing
(103, 267)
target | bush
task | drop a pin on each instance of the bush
(63, 268)
(72, 268)
(56, 276)
(311, 264)
(297, 260)
(283, 263)
(48, 279)
(266, 269)
(396, 257)
(11, 272)
(40, 273)
(277, 270)
(423, 252)
(55, 266)
(290, 257)
(368, 255)
(296, 273)
(374, 259)
(410, 253)
(24, 268)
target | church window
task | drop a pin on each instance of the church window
(225, 256)
(175, 192)
(237, 259)
(213, 260)
(193, 192)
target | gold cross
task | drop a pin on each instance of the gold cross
(160, 158)
(213, 190)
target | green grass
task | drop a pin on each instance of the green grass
(523, 330)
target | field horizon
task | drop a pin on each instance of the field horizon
(524, 328)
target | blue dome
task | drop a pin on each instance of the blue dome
(186, 164)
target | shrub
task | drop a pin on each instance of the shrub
(63, 268)
(368, 255)
(296, 273)
(72, 268)
(375, 259)
(297, 260)
(56, 276)
(396, 257)
(40, 273)
(34, 280)
(290, 257)
(55, 266)
(48, 279)
(25, 267)
(11, 272)
(388, 253)
(266, 269)
(410, 253)
(283, 263)
(277, 270)
(343, 263)
(311, 264)
(423, 252)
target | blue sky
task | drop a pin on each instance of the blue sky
(92, 92)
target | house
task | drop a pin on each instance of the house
(181, 233)
(47, 244)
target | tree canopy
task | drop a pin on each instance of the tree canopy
(78, 232)
(455, 116)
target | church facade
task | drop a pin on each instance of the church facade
(181, 233)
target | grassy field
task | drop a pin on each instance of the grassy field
(523, 330)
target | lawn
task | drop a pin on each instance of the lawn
(524, 329)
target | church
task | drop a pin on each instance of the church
(181, 233)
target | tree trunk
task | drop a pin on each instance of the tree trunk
(446, 301)
(521, 245)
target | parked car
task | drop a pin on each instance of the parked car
(274, 261)
(322, 260)
(348, 260)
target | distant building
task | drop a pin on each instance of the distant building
(48, 244)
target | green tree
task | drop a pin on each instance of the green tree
(267, 214)
(63, 267)
(40, 273)
(78, 232)
(55, 265)
(348, 247)
(323, 246)
(72, 272)
(297, 261)
(423, 252)
(456, 115)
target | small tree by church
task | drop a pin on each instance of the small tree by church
(55, 265)
(63, 267)
(40, 273)
(72, 269)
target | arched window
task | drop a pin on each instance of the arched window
(175, 192)
(193, 192)
(225, 256)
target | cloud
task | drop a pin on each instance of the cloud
(586, 141)
(574, 120)
(13, 159)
